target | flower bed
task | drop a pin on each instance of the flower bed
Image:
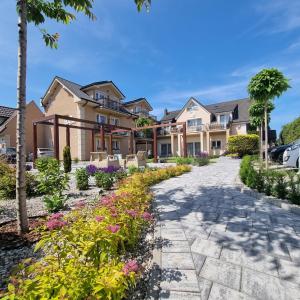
(85, 249)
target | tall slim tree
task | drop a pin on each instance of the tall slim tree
(263, 88)
(36, 12)
(256, 112)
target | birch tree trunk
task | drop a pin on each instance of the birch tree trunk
(266, 135)
(22, 220)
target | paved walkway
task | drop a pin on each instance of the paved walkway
(218, 243)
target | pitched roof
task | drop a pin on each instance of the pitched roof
(101, 83)
(136, 101)
(225, 106)
(6, 112)
(170, 115)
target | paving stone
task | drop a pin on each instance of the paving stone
(177, 261)
(222, 272)
(263, 263)
(263, 286)
(179, 280)
(173, 234)
(176, 246)
(290, 271)
(205, 287)
(198, 261)
(170, 224)
(173, 295)
(294, 253)
(206, 247)
(220, 292)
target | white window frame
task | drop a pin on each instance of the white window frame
(98, 118)
(114, 121)
(99, 95)
(195, 119)
(194, 147)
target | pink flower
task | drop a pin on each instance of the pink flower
(99, 218)
(132, 213)
(106, 201)
(147, 216)
(113, 228)
(56, 216)
(131, 266)
(80, 204)
(114, 215)
(55, 224)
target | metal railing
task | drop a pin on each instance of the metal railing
(197, 128)
(108, 103)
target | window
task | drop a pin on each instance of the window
(224, 119)
(193, 148)
(114, 121)
(116, 145)
(99, 95)
(194, 122)
(165, 150)
(101, 119)
(193, 106)
(216, 145)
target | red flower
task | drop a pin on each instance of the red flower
(80, 204)
(131, 266)
(113, 228)
(55, 224)
(99, 218)
(132, 213)
(56, 216)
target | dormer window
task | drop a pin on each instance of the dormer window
(193, 106)
(99, 95)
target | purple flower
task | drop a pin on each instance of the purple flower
(147, 216)
(55, 224)
(130, 266)
(56, 216)
(91, 170)
(113, 228)
(132, 213)
(99, 218)
(110, 169)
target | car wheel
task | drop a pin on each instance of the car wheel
(280, 158)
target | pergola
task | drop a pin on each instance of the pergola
(102, 128)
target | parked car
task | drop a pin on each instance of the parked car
(276, 154)
(9, 155)
(291, 156)
(45, 152)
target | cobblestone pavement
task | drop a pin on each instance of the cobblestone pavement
(214, 242)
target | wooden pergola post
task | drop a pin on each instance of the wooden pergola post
(34, 143)
(184, 140)
(102, 137)
(131, 142)
(56, 137)
(111, 144)
(93, 141)
(68, 136)
(155, 145)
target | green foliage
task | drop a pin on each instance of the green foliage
(132, 170)
(52, 182)
(196, 161)
(84, 250)
(82, 179)
(243, 144)
(294, 187)
(267, 84)
(256, 112)
(141, 3)
(67, 159)
(104, 180)
(8, 182)
(290, 132)
(184, 160)
(76, 160)
(201, 161)
(280, 185)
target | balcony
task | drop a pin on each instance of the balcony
(144, 113)
(217, 126)
(146, 134)
(197, 128)
(111, 104)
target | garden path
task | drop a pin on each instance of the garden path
(214, 242)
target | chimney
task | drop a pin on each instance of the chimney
(166, 111)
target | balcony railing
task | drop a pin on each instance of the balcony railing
(144, 113)
(111, 104)
(147, 134)
(197, 128)
(217, 126)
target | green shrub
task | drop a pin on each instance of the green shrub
(76, 160)
(132, 170)
(290, 132)
(184, 160)
(201, 161)
(280, 185)
(67, 159)
(294, 187)
(244, 168)
(268, 176)
(104, 180)
(52, 182)
(243, 144)
(82, 179)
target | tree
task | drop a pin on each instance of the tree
(67, 159)
(256, 112)
(263, 88)
(290, 132)
(36, 12)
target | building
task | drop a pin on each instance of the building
(207, 127)
(8, 126)
(100, 102)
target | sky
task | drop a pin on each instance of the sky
(207, 49)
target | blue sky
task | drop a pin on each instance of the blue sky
(208, 49)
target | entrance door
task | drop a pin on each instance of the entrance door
(165, 150)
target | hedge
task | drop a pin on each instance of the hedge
(243, 144)
(87, 251)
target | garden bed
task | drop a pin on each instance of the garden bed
(95, 251)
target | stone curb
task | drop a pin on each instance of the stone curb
(282, 203)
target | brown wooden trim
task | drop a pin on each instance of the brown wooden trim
(155, 145)
(93, 140)
(102, 136)
(110, 144)
(56, 138)
(68, 136)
